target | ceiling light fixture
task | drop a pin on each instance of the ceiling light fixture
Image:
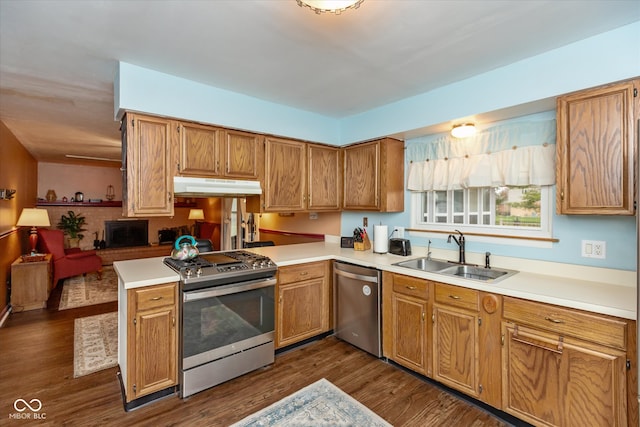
(463, 130)
(104, 159)
(332, 6)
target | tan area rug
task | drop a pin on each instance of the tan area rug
(95, 343)
(80, 291)
(318, 404)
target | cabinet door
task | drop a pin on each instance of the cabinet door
(595, 150)
(148, 174)
(155, 351)
(361, 176)
(455, 348)
(410, 332)
(243, 154)
(285, 186)
(556, 381)
(324, 178)
(199, 150)
(303, 311)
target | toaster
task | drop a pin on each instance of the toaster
(400, 247)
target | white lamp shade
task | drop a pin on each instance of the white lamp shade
(32, 217)
(196, 214)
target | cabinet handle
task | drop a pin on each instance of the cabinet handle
(516, 338)
(433, 318)
(454, 297)
(423, 315)
(304, 273)
(169, 193)
(553, 350)
(156, 298)
(562, 195)
(411, 288)
(552, 320)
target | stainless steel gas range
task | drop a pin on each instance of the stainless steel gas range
(227, 320)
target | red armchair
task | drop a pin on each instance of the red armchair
(67, 262)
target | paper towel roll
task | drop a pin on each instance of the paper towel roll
(380, 239)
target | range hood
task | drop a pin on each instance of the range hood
(213, 187)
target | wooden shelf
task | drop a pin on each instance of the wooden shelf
(104, 204)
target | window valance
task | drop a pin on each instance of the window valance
(516, 154)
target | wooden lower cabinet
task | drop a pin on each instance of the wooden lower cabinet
(558, 381)
(303, 303)
(456, 355)
(563, 367)
(410, 331)
(152, 340)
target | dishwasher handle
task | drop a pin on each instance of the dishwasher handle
(372, 279)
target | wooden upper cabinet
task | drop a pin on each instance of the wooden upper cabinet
(147, 163)
(374, 176)
(325, 185)
(199, 149)
(595, 150)
(285, 175)
(243, 155)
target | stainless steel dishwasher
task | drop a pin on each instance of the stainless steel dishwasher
(356, 306)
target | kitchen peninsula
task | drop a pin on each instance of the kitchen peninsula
(570, 313)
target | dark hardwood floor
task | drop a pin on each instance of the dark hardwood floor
(36, 361)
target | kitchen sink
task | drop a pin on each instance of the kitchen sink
(466, 271)
(424, 264)
(477, 273)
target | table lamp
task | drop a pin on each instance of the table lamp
(195, 214)
(32, 217)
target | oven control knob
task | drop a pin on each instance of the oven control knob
(198, 271)
(188, 272)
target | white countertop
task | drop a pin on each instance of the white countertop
(598, 290)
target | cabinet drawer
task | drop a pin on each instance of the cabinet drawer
(411, 286)
(456, 296)
(298, 273)
(155, 296)
(564, 321)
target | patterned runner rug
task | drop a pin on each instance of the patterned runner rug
(95, 343)
(80, 291)
(318, 404)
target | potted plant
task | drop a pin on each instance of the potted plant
(72, 226)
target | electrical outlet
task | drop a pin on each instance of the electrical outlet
(594, 249)
(398, 232)
(365, 221)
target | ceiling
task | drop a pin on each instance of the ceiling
(58, 58)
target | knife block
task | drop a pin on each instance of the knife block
(365, 245)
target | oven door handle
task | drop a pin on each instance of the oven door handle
(226, 290)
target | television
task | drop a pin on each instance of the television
(126, 233)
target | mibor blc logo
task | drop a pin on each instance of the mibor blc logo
(27, 410)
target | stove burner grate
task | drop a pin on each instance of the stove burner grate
(179, 265)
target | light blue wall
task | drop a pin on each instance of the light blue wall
(144, 90)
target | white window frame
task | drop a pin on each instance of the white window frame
(512, 235)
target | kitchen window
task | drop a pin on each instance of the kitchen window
(497, 184)
(510, 211)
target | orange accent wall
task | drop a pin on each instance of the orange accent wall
(19, 171)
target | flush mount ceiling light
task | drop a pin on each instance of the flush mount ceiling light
(332, 6)
(463, 130)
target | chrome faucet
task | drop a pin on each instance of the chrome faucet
(460, 242)
(429, 250)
